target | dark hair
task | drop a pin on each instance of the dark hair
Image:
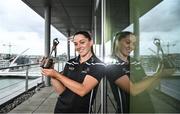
(84, 33)
(87, 35)
(119, 36)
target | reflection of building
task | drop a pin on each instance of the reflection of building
(34, 58)
(62, 57)
(6, 59)
(3, 62)
(150, 62)
(176, 58)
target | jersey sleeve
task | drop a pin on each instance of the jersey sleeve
(97, 71)
(65, 71)
(113, 72)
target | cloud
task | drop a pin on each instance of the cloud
(24, 40)
(161, 22)
(16, 16)
(164, 17)
(21, 41)
(172, 37)
(24, 28)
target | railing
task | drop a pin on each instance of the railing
(19, 66)
(15, 88)
(17, 84)
(26, 67)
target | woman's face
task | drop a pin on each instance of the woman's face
(82, 45)
(127, 45)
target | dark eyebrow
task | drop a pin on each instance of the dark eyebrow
(83, 40)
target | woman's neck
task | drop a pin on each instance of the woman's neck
(86, 57)
(122, 57)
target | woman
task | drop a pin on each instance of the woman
(126, 75)
(78, 83)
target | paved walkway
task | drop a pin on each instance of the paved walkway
(41, 102)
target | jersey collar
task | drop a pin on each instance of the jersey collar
(91, 59)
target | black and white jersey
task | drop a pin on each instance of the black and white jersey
(142, 102)
(69, 101)
(125, 102)
(114, 71)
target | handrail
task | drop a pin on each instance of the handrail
(19, 66)
(27, 67)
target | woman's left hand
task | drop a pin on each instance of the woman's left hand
(49, 72)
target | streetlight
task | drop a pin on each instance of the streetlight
(9, 45)
(168, 45)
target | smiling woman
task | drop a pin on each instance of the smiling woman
(128, 79)
(77, 85)
(83, 44)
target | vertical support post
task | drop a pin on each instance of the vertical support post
(42, 79)
(136, 16)
(95, 33)
(68, 44)
(47, 36)
(62, 65)
(26, 82)
(103, 35)
(58, 65)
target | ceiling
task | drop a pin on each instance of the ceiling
(66, 15)
(75, 15)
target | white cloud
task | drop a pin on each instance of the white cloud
(161, 22)
(164, 17)
(21, 27)
(16, 16)
(172, 37)
(21, 41)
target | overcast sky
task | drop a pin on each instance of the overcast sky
(163, 22)
(21, 27)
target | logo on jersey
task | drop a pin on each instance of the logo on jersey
(85, 70)
(125, 70)
(71, 68)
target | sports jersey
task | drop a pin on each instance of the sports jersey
(115, 70)
(69, 101)
(142, 102)
(125, 102)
